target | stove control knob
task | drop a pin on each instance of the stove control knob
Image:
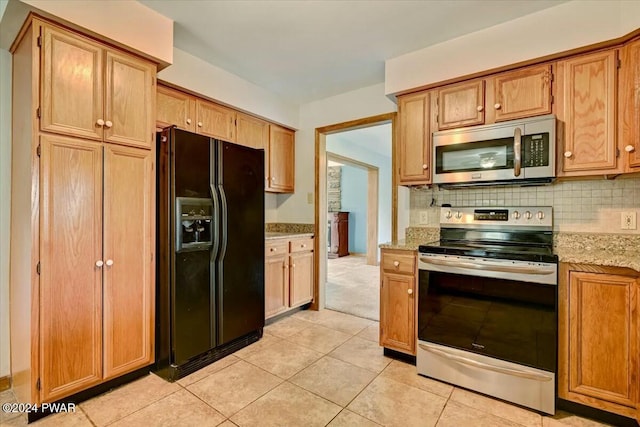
(540, 215)
(458, 215)
(449, 215)
(528, 215)
(516, 215)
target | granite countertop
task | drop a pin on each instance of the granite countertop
(271, 235)
(609, 250)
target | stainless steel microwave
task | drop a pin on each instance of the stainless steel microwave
(516, 152)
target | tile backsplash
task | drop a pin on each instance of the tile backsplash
(578, 206)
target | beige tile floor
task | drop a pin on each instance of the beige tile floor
(310, 369)
(353, 287)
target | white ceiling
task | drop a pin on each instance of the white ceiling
(309, 50)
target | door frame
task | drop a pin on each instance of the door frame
(372, 202)
(320, 189)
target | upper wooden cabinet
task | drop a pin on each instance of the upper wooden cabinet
(414, 145)
(198, 115)
(251, 131)
(516, 94)
(461, 104)
(629, 99)
(175, 108)
(215, 120)
(598, 352)
(92, 91)
(522, 93)
(586, 110)
(280, 159)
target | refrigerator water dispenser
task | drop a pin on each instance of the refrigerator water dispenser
(193, 224)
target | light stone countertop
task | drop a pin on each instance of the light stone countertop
(270, 235)
(610, 250)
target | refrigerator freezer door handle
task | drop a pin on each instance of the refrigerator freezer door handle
(223, 223)
(215, 238)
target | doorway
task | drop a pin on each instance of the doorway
(321, 200)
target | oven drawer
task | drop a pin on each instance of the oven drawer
(398, 262)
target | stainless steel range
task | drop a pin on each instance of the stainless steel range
(487, 304)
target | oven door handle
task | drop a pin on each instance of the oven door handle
(517, 151)
(481, 365)
(489, 267)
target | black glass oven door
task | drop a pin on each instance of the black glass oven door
(505, 319)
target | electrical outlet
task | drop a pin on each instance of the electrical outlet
(310, 198)
(628, 221)
(424, 217)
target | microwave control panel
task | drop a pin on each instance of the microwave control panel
(536, 150)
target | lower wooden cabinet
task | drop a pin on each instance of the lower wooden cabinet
(398, 300)
(598, 355)
(288, 274)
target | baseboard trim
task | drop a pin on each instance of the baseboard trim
(5, 383)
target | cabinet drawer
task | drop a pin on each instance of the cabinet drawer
(276, 247)
(301, 245)
(399, 263)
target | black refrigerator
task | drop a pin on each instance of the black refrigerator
(210, 250)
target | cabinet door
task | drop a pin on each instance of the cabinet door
(587, 108)
(461, 105)
(397, 312)
(175, 108)
(70, 281)
(603, 337)
(276, 278)
(301, 278)
(251, 132)
(130, 100)
(415, 139)
(280, 155)
(215, 120)
(128, 270)
(522, 93)
(72, 86)
(629, 94)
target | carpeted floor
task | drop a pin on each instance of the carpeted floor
(353, 287)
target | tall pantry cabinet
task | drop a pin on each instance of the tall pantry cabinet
(82, 243)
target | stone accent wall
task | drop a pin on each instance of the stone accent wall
(334, 177)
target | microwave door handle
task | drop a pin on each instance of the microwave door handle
(517, 151)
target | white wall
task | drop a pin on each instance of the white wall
(193, 73)
(357, 104)
(129, 23)
(5, 204)
(557, 29)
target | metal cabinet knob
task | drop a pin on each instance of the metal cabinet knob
(108, 123)
(497, 106)
(273, 178)
(293, 266)
(100, 122)
(199, 124)
(272, 249)
(99, 263)
(409, 291)
(109, 262)
(568, 154)
(424, 166)
(479, 108)
(188, 121)
(303, 245)
(396, 263)
(629, 148)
